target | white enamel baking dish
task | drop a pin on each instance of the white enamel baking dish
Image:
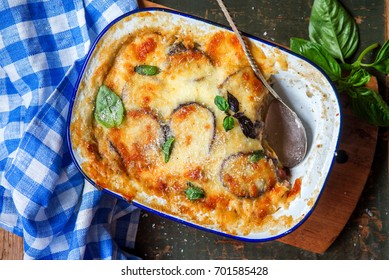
(303, 86)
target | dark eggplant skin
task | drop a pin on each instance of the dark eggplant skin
(177, 48)
(181, 106)
(166, 132)
(121, 161)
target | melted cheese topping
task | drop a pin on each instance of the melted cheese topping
(240, 193)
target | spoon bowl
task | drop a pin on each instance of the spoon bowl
(284, 134)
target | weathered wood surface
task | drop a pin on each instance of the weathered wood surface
(11, 246)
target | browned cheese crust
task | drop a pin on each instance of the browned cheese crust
(240, 193)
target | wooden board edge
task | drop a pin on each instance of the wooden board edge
(149, 4)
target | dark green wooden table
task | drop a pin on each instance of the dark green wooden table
(365, 236)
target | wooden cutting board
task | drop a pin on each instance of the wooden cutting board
(343, 187)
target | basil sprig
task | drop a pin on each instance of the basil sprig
(334, 38)
(109, 110)
(222, 104)
(231, 103)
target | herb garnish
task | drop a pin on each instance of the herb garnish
(221, 103)
(334, 38)
(257, 156)
(228, 123)
(109, 110)
(167, 148)
(247, 126)
(233, 102)
(194, 192)
(148, 70)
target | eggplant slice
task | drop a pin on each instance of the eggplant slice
(182, 60)
(245, 178)
(140, 49)
(138, 142)
(245, 87)
(193, 126)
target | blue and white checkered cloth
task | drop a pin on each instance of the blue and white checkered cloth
(43, 197)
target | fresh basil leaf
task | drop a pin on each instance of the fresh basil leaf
(318, 55)
(257, 156)
(167, 148)
(370, 106)
(194, 192)
(357, 78)
(248, 128)
(334, 28)
(147, 70)
(221, 103)
(381, 62)
(233, 102)
(228, 123)
(109, 109)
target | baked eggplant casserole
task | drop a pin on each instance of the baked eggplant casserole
(172, 118)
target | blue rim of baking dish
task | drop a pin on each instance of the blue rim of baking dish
(172, 217)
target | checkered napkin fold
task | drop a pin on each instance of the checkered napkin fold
(43, 197)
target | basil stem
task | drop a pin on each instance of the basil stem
(381, 62)
(109, 109)
(167, 148)
(358, 62)
(147, 70)
(194, 192)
